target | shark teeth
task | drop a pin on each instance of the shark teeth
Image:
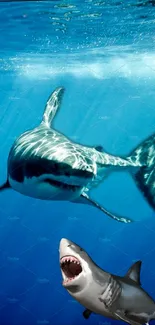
(63, 185)
(71, 268)
(68, 280)
(70, 259)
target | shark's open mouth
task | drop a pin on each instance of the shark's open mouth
(71, 268)
(62, 185)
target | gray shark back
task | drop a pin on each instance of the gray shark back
(124, 296)
(144, 300)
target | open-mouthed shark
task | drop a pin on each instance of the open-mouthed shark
(116, 297)
(45, 164)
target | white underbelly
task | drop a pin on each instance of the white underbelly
(37, 188)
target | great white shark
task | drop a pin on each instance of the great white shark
(45, 164)
(100, 292)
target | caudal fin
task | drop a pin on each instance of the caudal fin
(144, 156)
(5, 186)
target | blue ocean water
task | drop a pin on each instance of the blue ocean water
(102, 52)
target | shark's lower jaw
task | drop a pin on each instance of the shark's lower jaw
(71, 269)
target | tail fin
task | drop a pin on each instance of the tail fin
(5, 186)
(144, 156)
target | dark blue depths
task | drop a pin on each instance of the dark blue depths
(104, 56)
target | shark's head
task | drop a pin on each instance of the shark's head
(76, 266)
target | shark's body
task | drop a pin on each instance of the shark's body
(117, 297)
(45, 164)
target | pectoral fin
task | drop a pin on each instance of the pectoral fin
(85, 199)
(87, 313)
(5, 186)
(136, 318)
(123, 317)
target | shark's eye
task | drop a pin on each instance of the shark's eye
(81, 249)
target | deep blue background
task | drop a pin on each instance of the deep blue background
(103, 54)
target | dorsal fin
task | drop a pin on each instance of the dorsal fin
(134, 272)
(52, 105)
(99, 148)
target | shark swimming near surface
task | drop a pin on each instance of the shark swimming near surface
(45, 164)
(100, 292)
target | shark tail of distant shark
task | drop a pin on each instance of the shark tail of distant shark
(144, 157)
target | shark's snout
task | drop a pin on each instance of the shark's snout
(65, 242)
(64, 245)
(67, 248)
